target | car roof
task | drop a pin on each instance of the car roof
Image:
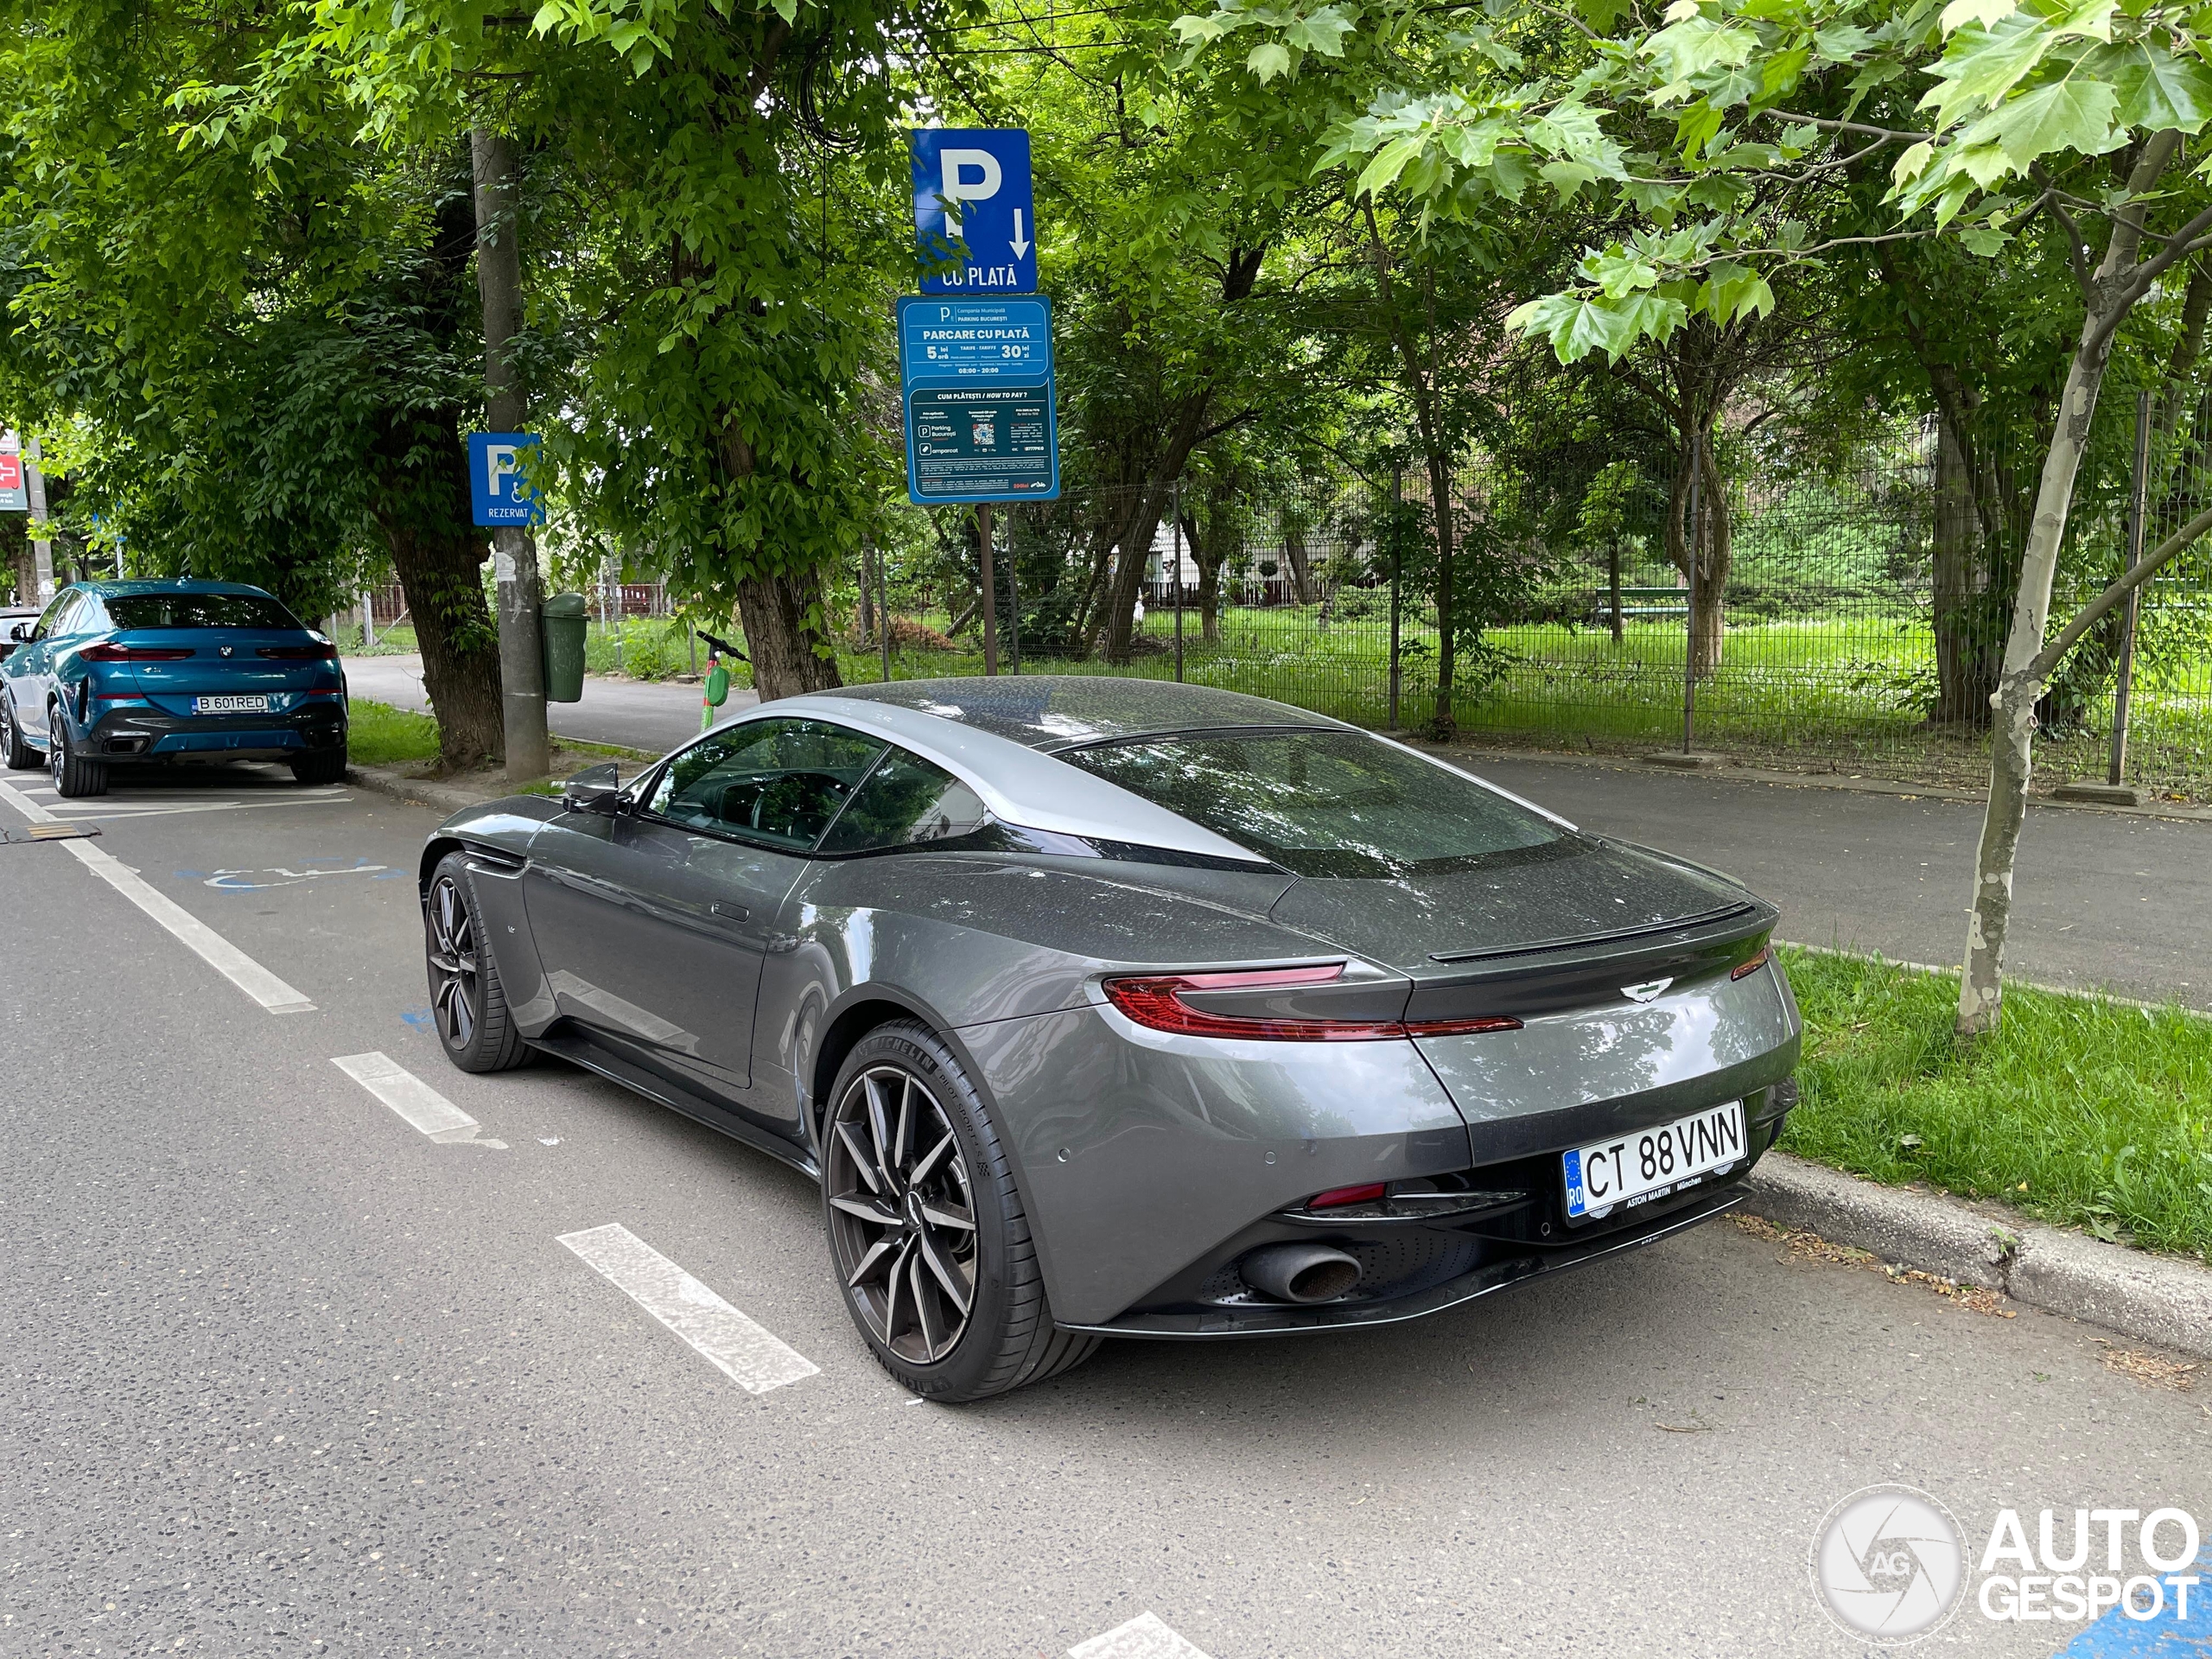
(1061, 711)
(113, 590)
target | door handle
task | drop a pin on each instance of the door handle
(730, 913)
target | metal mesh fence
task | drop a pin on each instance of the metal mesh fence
(1848, 616)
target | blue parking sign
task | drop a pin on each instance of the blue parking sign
(974, 213)
(499, 490)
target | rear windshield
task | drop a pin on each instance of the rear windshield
(199, 610)
(1326, 803)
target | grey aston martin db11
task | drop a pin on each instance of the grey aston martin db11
(1104, 1007)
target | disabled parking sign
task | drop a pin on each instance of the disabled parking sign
(499, 490)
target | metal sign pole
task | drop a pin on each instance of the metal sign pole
(1689, 628)
(983, 533)
(2138, 511)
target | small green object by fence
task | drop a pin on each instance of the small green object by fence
(1644, 601)
(561, 623)
(715, 693)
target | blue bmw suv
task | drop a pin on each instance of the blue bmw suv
(139, 672)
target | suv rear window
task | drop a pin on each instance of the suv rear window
(199, 610)
(1326, 803)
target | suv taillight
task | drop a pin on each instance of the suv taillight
(111, 652)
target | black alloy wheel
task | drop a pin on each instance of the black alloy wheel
(456, 988)
(927, 1231)
(74, 777)
(468, 1004)
(902, 1214)
(18, 754)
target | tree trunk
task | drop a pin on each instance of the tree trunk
(1207, 552)
(787, 645)
(1296, 555)
(439, 558)
(1613, 586)
(1966, 658)
(1981, 983)
(1709, 617)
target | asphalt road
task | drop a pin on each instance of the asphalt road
(2101, 900)
(283, 1375)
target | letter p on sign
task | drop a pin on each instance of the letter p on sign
(959, 185)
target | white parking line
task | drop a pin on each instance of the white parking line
(414, 1099)
(217, 952)
(738, 1348)
(1144, 1636)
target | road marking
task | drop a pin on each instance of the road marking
(217, 952)
(1145, 1637)
(738, 1348)
(414, 1099)
(156, 806)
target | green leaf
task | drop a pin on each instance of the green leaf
(1568, 177)
(1983, 239)
(1908, 165)
(1322, 31)
(1981, 66)
(2159, 90)
(1267, 61)
(2073, 114)
(1601, 15)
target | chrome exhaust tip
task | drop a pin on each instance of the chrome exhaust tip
(1299, 1273)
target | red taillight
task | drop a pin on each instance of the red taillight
(1750, 965)
(1367, 1192)
(1156, 1001)
(321, 653)
(111, 652)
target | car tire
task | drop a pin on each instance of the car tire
(74, 777)
(468, 1006)
(891, 1189)
(18, 754)
(322, 766)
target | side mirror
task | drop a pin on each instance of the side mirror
(595, 789)
(21, 633)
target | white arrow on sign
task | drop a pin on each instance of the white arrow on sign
(1020, 243)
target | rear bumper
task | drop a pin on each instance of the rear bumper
(1150, 1163)
(139, 732)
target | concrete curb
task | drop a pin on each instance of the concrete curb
(414, 792)
(2159, 1299)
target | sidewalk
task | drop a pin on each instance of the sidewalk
(2102, 899)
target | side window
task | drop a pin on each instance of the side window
(778, 781)
(55, 620)
(906, 802)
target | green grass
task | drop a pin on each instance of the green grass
(381, 735)
(2079, 1111)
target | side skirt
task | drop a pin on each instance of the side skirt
(581, 1050)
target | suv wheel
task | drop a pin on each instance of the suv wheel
(73, 775)
(18, 754)
(926, 1228)
(321, 767)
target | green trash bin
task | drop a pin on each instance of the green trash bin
(561, 621)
